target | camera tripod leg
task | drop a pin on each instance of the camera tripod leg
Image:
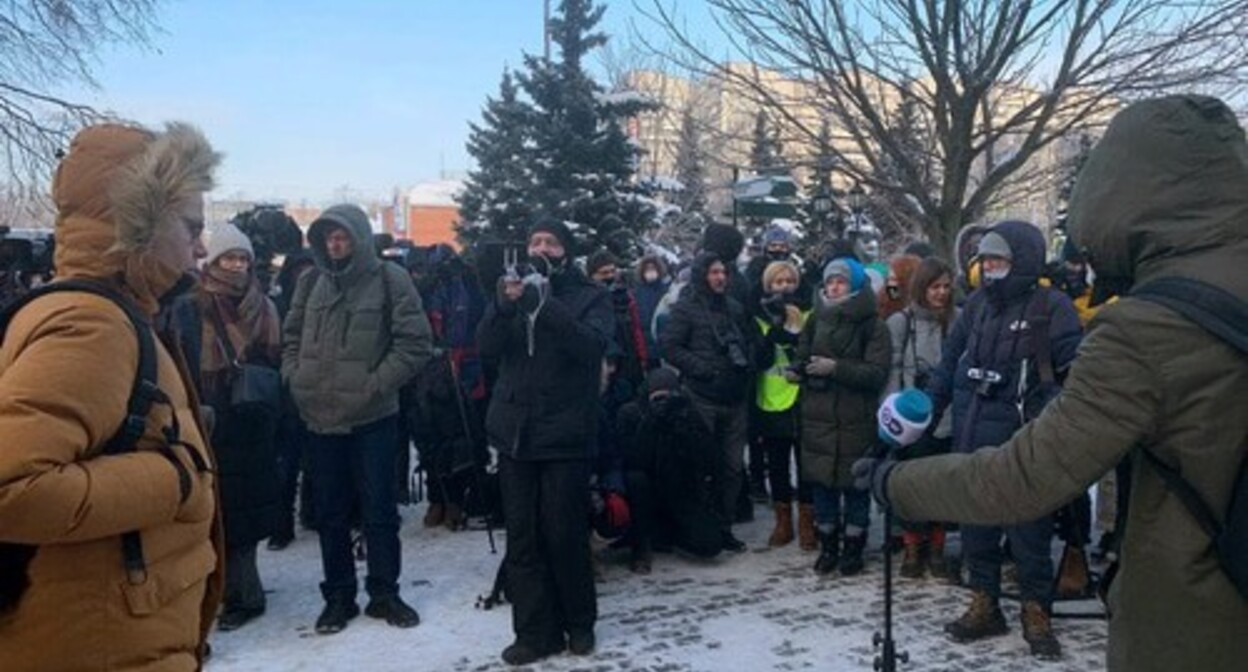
(889, 656)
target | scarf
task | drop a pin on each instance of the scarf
(250, 321)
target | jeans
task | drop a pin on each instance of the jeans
(828, 508)
(549, 575)
(1030, 545)
(350, 469)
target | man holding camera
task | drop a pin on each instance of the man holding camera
(709, 339)
(547, 329)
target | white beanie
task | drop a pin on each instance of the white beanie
(222, 238)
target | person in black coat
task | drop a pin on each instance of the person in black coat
(708, 338)
(669, 464)
(548, 334)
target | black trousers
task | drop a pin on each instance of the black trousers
(670, 518)
(550, 579)
(780, 454)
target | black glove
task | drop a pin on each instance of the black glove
(871, 475)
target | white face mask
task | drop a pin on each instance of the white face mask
(1091, 276)
(996, 276)
(651, 276)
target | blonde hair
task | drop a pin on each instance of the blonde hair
(774, 269)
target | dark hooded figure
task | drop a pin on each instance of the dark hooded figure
(709, 339)
(1161, 196)
(548, 333)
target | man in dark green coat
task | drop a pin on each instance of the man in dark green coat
(1164, 194)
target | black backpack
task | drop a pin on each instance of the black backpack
(1225, 316)
(14, 558)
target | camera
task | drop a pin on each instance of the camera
(987, 381)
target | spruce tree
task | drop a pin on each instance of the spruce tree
(496, 200)
(690, 170)
(584, 161)
(766, 151)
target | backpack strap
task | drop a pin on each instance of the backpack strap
(144, 392)
(1216, 310)
(1223, 315)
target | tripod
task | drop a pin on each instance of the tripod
(888, 657)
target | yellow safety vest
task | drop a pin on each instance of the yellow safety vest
(775, 393)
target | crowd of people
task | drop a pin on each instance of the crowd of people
(568, 393)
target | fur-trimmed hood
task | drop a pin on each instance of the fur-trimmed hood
(114, 190)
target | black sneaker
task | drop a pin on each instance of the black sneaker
(730, 543)
(581, 642)
(336, 615)
(522, 653)
(393, 610)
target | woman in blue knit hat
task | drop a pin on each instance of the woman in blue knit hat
(844, 354)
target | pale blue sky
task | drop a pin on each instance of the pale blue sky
(307, 96)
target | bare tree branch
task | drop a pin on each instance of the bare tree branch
(997, 83)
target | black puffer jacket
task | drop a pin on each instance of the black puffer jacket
(709, 339)
(994, 334)
(545, 405)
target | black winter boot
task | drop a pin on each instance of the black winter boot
(851, 558)
(337, 613)
(829, 552)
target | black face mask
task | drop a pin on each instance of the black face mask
(777, 255)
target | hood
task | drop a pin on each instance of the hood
(697, 274)
(355, 221)
(114, 190)
(1165, 192)
(655, 261)
(1027, 265)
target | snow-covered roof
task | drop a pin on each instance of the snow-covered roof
(622, 97)
(440, 192)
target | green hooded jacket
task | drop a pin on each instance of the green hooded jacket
(355, 333)
(1164, 194)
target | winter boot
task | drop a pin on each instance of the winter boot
(982, 619)
(581, 642)
(454, 518)
(523, 653)
(1038, 631)
(851, 555)
(829, 553)
(338, 612)
(730, 543)
(913, 560)
(435, 516)
(393, 610)
(783, 534)
(807, 536)
(1073, 577)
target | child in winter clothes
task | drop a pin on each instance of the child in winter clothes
(845, 350)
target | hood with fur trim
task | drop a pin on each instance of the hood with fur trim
(115, 189)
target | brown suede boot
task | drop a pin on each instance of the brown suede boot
(435, 516)
(807, 536)
(912, 560)
(1073, 578)
(982, 619)
(1038, 631)
(783, 534)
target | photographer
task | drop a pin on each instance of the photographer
(547, 329)
(993, 374)
(710, 341)
(919, 334)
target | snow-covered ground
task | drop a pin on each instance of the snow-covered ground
(760, 610)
